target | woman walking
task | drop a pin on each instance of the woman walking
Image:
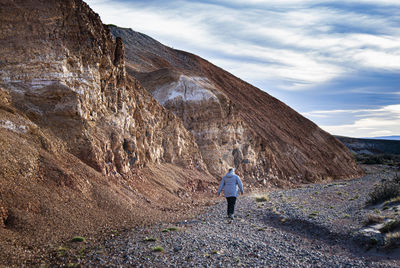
(229, 184)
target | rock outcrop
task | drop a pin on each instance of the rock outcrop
(82, 144)
(234, 123)
(76, 86)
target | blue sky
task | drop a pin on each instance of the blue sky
(335, 62)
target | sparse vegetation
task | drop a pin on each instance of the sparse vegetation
(82, 253)
(313, 214)
(390, 226)
(392, 240)
(392, 201)
(61, 251)
(262, 198)
(173, 228)
(385, 191)
(158, 249)
(373, 219)
(380, 159)
(78, 239)
(149, 239)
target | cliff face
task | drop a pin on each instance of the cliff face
(234, 123)
(64, 71)
(82, 143)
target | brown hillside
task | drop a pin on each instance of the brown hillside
(82, 145)
(235, 123)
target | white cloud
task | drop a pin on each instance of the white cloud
(300, 41)
(378, 59)
(373, 122)
(306, 2)
(291, 45)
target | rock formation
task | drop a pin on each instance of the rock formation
(82, 143)
(234, 123)
(76, 86)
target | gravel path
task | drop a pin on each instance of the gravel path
(312, 226)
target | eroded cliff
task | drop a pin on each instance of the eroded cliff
(234, 123)
(82, 143)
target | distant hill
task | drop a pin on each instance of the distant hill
(371, 146)
(397, 138)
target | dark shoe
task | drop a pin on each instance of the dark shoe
(231, 216)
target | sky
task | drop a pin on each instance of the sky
(335, 62)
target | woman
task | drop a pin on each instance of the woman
(230, 183)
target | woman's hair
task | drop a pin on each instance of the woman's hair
(231, 169)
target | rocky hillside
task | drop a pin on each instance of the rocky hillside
(82, 143)
(371, 146)
(234, 123)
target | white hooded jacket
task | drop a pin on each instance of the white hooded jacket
(229, 183)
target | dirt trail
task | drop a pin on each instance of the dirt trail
(312, 226)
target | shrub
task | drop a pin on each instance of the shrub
(373, 219)
(373, 160)
(390, 226)
(392, 240)
(61, 251)
(78, 239)
(263, 198)
(158, 249)
(149, 239)
(385, 191)
(313, 214)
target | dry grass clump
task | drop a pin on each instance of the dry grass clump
(262, 198)
(390, 226)
(385, 191)
(169, 229)
(373, 219)
(393, 201)
(313, 214)
(158, 249)
(392, 240)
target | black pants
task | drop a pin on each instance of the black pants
(231, 205)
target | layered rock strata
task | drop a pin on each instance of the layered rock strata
(64, 71)
(234, 123)
(82, 144)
